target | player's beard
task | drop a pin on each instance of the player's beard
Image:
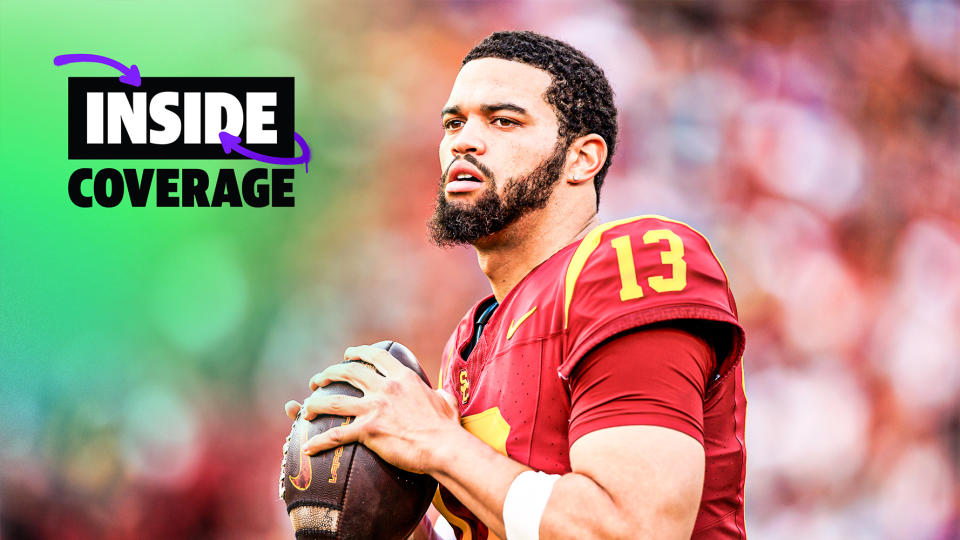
(464, 223)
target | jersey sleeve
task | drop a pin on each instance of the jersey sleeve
(656, 376)
(638, 271)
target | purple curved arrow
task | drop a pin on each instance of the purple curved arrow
(232, 142)
(131, 75)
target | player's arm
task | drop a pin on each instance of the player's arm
(628, 481)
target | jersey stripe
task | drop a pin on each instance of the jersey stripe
(445, 369)
(453, 519)
(591, 242)
(490, 427)
(516, 324)
(587, 246)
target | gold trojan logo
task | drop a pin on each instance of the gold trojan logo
(464, 387)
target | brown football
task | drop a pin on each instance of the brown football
(349, 492)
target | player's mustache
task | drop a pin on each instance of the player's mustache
(471, 159)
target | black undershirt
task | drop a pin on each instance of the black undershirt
(483, 315)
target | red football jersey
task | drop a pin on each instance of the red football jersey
(514, 390)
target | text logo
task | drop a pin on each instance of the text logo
(179, 117)
(304, 472)
(464, 387)
(173, 118)
(516, 324)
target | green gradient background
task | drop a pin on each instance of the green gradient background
(146, 353)
(92, 299)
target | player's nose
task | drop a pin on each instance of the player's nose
(469, 139)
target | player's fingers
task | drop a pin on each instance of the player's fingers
(332, 438)
(292, 408)
(355, 374)
(382, 360)
(338, 405)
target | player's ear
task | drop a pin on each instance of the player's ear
(585, 158)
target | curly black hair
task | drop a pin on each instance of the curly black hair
(580, 92)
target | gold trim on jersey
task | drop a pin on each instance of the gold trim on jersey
(490, 427)
(587, 246)
(446, 368)
(453, 519)
(517, 322)
(700, 234)
(591, 242)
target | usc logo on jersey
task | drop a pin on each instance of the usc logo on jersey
(464, 387)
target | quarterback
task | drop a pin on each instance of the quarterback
(597, 392)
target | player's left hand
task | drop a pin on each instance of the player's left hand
(399, 417)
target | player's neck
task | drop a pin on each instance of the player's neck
(534, 238)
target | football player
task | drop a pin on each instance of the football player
(597, 392)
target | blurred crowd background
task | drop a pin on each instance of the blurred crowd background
(147, 357)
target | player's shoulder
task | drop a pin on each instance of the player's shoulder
(650, 257)
(638, 271)
(636, 232)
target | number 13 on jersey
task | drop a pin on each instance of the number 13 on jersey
(629, 286)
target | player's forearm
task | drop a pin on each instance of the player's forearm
(578, 507)
(477, 475)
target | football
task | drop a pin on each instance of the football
(349, 491)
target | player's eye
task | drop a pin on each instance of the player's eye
(505, 122)
(453, 123)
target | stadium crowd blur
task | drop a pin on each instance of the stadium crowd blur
(817, 144)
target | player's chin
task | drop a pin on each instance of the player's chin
(462, 196)
(460, 202)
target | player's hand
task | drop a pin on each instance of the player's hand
(399, 417)
(292, 408)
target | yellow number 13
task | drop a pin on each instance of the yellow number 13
(629, 287)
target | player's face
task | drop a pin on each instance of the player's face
(500, 156)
